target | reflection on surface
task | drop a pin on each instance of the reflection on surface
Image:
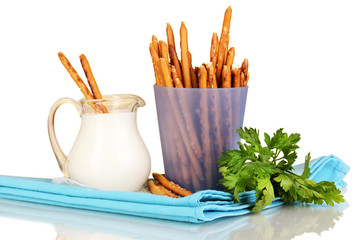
(282, 222)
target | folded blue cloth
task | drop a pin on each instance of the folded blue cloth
(199, 207)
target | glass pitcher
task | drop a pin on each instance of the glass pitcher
(108, 153)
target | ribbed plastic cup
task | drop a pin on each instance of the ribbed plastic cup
(196, 126)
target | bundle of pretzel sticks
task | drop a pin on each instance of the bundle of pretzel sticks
(197, 126)
(95, 92)
(219, 73)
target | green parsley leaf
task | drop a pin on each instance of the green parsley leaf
(267, 169)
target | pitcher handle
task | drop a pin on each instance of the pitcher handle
(59, 154)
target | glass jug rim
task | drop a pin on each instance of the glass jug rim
(116, 97)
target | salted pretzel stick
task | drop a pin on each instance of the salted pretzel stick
(236, 77)
(230, 57)
(167, 191)
(92, 83)
(75, 76)
(194, 80)
(184, 55)
(157, 66)
(164, 50)
(202, 77)
(159, 189)
(226, 108)
(205, 129)
(170, 38)
(224, 40)
(90, 77)
(242, 79)
(214, 49)
(212, 77)
(175, 61)
(155, 44)
(247, 79)
(187, 133)
(226, 77)
(172, 186)
(164, 66)
(175, 77)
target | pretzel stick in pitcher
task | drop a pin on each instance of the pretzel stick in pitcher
(90, 77)
(170, 185)
(75, 76)
(184, 55)
(92, 83)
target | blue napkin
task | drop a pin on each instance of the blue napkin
(199, 207)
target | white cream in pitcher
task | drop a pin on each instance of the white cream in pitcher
(109, 153)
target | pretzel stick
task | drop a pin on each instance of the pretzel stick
(170, 38)
(224, 40)
(167, 191)
(215, 114)
(75, 76)
(166, 73)
(190, 141)
(205, 130)
(193, 77)
(90, 77)
(202, 77)
(242, 79)
(154, 189)
(230, 57)
(155, 44)
(236, 77)
(175, 61)
(92, 83)
(247, 79)
(227, 108)
(172, 186)
(184, 56)
(226, 77)
(212, 77)
(164, 51)
(175, 77)
(160, 81)
(214, 49)
(159, 189)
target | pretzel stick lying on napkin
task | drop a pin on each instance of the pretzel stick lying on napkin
(170, 185)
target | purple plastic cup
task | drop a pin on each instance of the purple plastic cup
(196, 126)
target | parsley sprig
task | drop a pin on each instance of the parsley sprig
(267, 169)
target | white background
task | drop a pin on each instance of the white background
(304, 65)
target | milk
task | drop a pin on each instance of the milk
(109, 153)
